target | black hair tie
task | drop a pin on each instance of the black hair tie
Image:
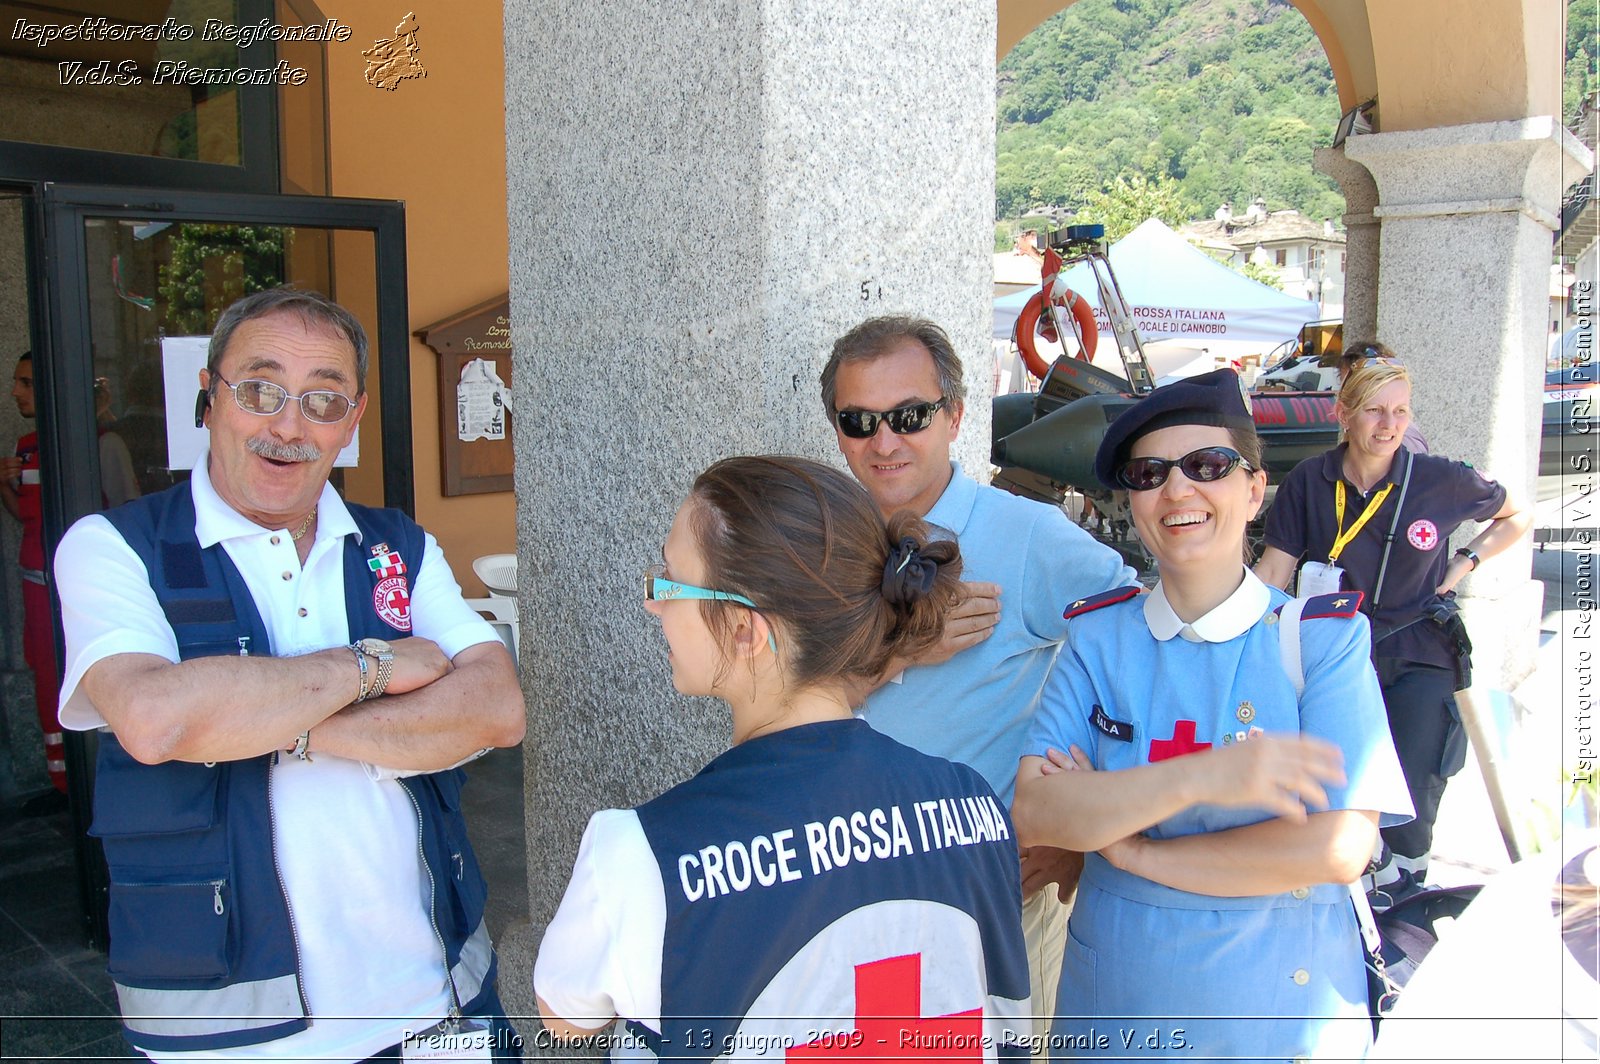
(907, 575)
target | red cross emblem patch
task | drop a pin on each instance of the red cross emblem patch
(1423, 534)
(1182, 742)
(391, 599)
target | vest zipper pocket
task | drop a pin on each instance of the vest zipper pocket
(169, 931)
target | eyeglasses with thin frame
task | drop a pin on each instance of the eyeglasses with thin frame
(657, 588)
(1202, 466)
(265, 398)
(903, 420)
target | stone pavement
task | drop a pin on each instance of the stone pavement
(1543, 751)
(56, 1000)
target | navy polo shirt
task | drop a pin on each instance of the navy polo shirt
(1442, 494)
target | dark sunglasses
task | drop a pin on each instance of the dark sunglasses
(1205, 465)
(903, 420)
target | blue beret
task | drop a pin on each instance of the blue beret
(1216, 398)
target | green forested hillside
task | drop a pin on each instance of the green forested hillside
(1226, 97)
(1208, 100)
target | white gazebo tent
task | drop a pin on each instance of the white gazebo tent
(1182, 300)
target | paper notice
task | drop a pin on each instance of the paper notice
(482, 400)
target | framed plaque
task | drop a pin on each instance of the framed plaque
(474, 349)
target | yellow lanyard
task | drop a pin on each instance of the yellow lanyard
(1342, 540)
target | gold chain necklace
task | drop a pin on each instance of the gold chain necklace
(300, 532)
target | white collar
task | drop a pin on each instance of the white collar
(1229, 619)
(216, 521)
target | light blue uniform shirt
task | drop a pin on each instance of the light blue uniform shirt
(976, 707)
(1134, 681)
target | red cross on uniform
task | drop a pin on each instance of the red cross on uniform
(398, 600)
(890, 1023)
(1182, 742)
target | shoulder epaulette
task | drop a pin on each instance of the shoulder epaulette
(1337, 604)
(1104, 598)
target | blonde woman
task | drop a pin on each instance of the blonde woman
(1371, 516)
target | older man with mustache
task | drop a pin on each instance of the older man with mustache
(287, 684)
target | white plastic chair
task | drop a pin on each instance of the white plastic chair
(498, 573)
(502, 616)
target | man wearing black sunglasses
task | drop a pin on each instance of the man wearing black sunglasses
(288, 683)
(893, 391)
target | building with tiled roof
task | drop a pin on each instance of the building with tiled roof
(1307, 256)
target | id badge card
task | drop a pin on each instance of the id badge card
(466, 1039)
(1319, 578)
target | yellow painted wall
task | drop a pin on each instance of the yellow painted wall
(437, 143)
(1453, 62)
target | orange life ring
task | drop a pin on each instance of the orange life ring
(1028, 324)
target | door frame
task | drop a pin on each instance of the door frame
(64, 385)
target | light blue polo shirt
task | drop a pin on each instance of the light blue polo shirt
(976, 707)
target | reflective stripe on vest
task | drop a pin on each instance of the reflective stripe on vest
(470, 971)
(264, 1003)
(240, 1007)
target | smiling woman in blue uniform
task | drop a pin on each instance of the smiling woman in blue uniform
(819, 889)
(1222, 815)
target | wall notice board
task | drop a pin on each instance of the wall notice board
(474, 349)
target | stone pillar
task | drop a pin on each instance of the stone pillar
(1360, 242)
(1467, 214)
(701, 197)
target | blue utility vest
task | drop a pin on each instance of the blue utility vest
(749, 918)
(203, 950)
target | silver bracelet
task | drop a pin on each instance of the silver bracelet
(300, 744)
(361, 661)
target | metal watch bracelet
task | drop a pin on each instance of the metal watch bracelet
(385, 670)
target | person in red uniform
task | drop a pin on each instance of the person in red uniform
(20, 494)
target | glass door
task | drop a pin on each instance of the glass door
(132, 283)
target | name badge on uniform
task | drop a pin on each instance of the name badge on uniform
(1319, 578)
(1120, 730)
(465, 1039)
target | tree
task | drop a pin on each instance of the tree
(1128, 201)
(212, 265)
(1263, 274)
